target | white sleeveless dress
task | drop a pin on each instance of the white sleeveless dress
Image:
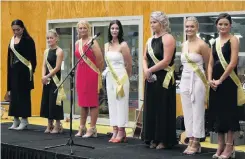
(192, 91)
(118, 108)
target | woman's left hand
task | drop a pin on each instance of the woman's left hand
(217, 82)
(45, 80)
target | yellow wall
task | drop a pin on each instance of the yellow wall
(34, 14)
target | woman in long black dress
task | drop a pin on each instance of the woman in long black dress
(21, 67)
(52, 105)
(223, 114)
(160, 93)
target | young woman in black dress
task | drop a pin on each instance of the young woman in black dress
(160, 96)
(20, 70)
(223, 110)
(51, 108)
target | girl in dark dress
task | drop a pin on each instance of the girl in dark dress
(21, 67)
(49, 107)
(223, 114)
(159, 101)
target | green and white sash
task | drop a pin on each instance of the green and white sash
(21, 58)
(61, 92)
(169, 69)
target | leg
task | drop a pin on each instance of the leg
(122, 114)
(229, 151)
(92, 132)
(115, 132)
(111, 95)
(94, 112)
(121, 136)
(221, 145)
(188, 117)
(195, 147)
(83, 119)
(57, 128)
(50, 126)
(198, 109)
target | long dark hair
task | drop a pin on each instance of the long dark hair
(120, 34)
(223, 16)
(21, 24)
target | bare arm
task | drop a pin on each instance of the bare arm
(44, 66)
(168, 47)
(60, 56)
(210, 66)
(145, 63)
(127, 57)
(205, 51)
(98, 54)
(234, 58)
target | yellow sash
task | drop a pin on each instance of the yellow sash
(169, 69)
(234, 77)
(200, 74)
(61, 92)
(120, 82)
(21, 58)
(90, 64)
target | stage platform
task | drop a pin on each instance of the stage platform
(30, 144)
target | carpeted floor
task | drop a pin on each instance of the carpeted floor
(34, 138)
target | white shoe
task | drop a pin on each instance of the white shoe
(15, 124)
(92, 132)
(23, 124)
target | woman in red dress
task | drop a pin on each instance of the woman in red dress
(87, 78)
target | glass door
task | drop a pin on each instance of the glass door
(65, 43)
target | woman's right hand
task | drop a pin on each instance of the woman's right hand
(147, 74)
(212, 85)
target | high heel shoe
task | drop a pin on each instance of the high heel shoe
(50, 127)
(114, 135)
(152, 145)
(120, 140)
(188, 147)
(23, 124)
(194, 150)
(92, 132)
(57, 129)
(160, 146)
(15, 124)
(82, 131)
(218, 153)
(232, 155)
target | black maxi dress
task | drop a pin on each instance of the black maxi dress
(159, 104)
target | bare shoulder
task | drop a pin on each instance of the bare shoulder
(234, 40)
(202, 43)
(168, 39)
(59, 51)
(124, 44)
(77, 42)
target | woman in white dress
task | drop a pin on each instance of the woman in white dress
(117, 73)
(193, 85)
